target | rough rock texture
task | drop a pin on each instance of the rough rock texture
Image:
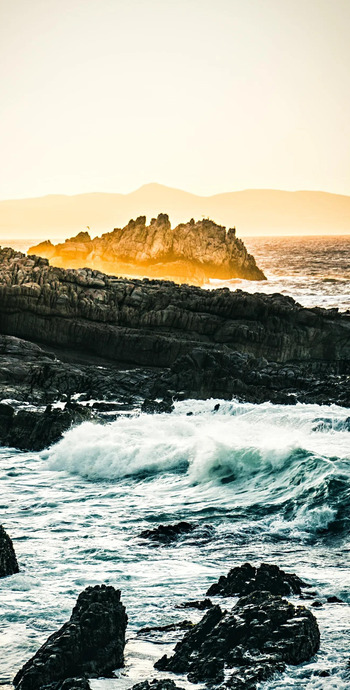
(90, 643)
(246, 578)
(165, 534)
(246, 645)
(162, 684)
(191, 252)
(69, 684)
(200, 604)
(36, 430)
(8, 560)
(188, 341)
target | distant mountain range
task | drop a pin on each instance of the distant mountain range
(253, 212)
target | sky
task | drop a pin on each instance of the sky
(204, 95)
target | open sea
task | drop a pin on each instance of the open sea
(261, 482)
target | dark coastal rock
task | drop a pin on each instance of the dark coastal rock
(69, 684)
(115, 338)
(36, 430)
(167, 533)
(201, 604)
(171, 627)
(162, 684)
(191, 252)
(90, 643)
(246, 578)
(259, 636)
(157, 407)
(8, 560)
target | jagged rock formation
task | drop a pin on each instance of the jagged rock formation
(246, 579)
(8, 560)
(91, 642)
(242, 647)
(35, 430)
(192, 252)
(190, 342)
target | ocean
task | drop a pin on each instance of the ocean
(262, 483)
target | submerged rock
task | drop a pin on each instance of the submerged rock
(259, 636)
(167, 533)
(246, 578)
(91, 642)
(171, 627)
(8, 560)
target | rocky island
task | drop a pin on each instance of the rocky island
(193, 252)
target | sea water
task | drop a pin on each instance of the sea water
(260, 482)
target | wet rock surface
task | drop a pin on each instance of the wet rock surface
(246, 579)
(178, 339)
(69, 684)
(163, 684)
(35, 429)
(239, 648)
(200, 604)
(91, 643)
(165, 534)
(8, 560)
(192, 252)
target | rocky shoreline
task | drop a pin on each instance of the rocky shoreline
(125, 341)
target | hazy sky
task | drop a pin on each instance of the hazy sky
(204, 95)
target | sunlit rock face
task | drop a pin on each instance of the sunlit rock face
(193, 252)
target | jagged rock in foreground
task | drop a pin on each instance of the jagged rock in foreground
(91, 643)
(191, 252)
(246, 579)
(247, 645)
(8, 560)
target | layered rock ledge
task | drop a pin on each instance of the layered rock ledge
(192, 252)
(174, 340)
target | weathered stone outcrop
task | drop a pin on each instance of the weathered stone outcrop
(259, 636)
(36, 430)
(189, 342)
(246, 579)
(90, 644)
(153, 323)
(8, 560)
(155, 684)
(191, 252)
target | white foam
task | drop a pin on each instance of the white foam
(238, 440)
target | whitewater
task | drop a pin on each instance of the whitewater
(261, 483)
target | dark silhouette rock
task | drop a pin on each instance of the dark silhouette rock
(8, 560)
(201, 604)
(167, 533)
(191, 252)
(259, 636)
(157, 407)
(162, 684)
(36, 430)
(246, 578)
(69, 684)
(90, 643)
(171, 627)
